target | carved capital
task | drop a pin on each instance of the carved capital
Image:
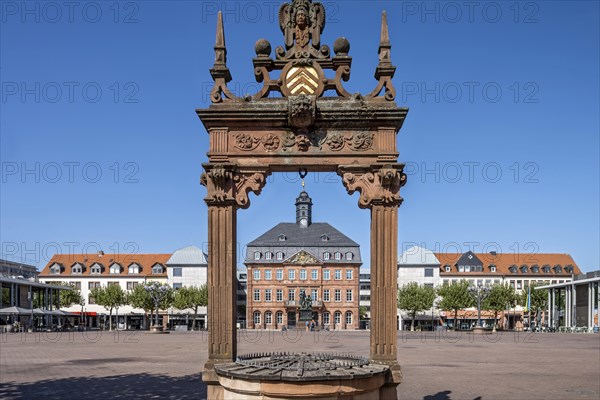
(228, 185)
(376, 184)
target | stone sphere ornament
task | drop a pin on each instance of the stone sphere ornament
(341, 46)
(262, 47)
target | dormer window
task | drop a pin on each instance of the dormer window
(96, 269)
(524, 269)
(133, 269)
(513, 269)
(569, 269)
(282, 238)
(77, 269)
(157, 269)
(557, 269)
(280, 255)
(338, 255)
(535, 268)
(349, 256)
(546, 269)
(324, 238)
(257, 255)
(492, 267)
(55, 269)
(447, 268)
(115, 269)
(268, 255)
(326, 256)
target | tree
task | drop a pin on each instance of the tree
(362, 312)
(415, 298)
(191, 297)
(69, 297)
(498, 299)
(110, 297)
(140, 298)
(455, 296)
(161, 294)
(539, 300)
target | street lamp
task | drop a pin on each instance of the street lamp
(157, 292)
(480, 291)
(82, 319)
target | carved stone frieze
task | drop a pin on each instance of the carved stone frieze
(302, 111)
(228, 185)
(357, 141)
(247, 142)
(376, 186)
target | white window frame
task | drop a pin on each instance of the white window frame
(337, 295)
(348, 320)
(115, 269)
(155, 268)
(279, 295)
(257, 255)
(256, 296)
(279, 317)
(133, 269)
(268, 318)
(268, 275)
(96, 269)
(256, 274)
(268, 294)
(279, 274)
(314, 294)
(326, 256)
(291, 274)
(326, 318)
(337, 317)
(314, 274)
(326, 275)
(268, 255)
(338, 255)
(255, 319)
(326, 295)
(280, 255)
(348, 294)
(55, 269)
(337, 275)
(291, 294)
(348, 274)
(349, 256)
(302, 274)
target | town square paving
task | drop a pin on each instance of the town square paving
(137, 365)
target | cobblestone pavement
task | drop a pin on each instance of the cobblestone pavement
(136, 365)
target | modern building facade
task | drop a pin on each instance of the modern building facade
(17, 270)
(303, 257)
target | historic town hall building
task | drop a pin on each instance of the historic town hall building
(303, 257)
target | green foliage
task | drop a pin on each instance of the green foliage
(362, 312)
(539, 298)
(69, 297)
(191, 297)
(414, 298)
(110, 297)
(455, 297)
(140, 298)
(499, 297)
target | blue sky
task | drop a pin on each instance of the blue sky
(101, 147)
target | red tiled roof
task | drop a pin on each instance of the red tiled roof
(145, 262)
(504, 261)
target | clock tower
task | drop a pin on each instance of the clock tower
(303, 209)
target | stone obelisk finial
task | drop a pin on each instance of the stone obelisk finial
(385, 47)
(219, 72)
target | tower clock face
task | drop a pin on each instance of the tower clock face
(303, 222)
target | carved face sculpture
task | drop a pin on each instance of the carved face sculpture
(301, 19)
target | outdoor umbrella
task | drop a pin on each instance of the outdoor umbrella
(15, 311)
(39, 311)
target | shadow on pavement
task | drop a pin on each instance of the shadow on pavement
(134, 386)
(445, 395)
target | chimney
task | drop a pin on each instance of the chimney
(100, 253)
(494, 253)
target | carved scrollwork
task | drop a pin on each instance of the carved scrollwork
(247, 142)
(375, 187)
(360, 141)
(227, 185)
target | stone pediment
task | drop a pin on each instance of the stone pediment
(302, 257)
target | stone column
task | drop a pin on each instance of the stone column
(379, 187)
(228, 189)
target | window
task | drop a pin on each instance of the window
(256, 294)
(268, 255)
(348, 294)
(524, 269)
(519, 284)
(55, 269)
(326, 295)
(338, 255)
(279, 317)
(93, 285)
(267, 274)
(177, 272)
(302, 274)
(279, 274)
(133, 269)
(292, 294)
(291, 274)
(324, 238)
(337, 317)
(314, 274)
(349, 256)
(326, 274)
(448, 268)
(268, 295)
(112, 284)
(326, 256)
(493, 268)
(91, 299)
(348, 318)
(177, 286)
(256, 274)
(77, 269)
(461, 268)
(279, 295)
(115, 269)
(131, 285)
(348, 274)
(325, 318)
(428, 272)
(314, 294)
(279, 255)
(256, 318)
(268, 318)
(96, 269)
(282, 238)
(257, 255)
(338, 295)
(157, 269)
(77, 285)
(467, 268)
(338, 274)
